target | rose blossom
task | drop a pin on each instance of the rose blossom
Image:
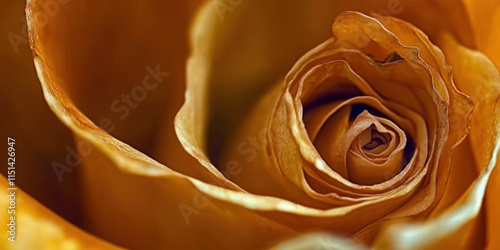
(377, 131)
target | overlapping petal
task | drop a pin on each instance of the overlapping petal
(485, 17)
(336, 70)
(477, 76)
(24, 114)
(256, 43)
(379, 92)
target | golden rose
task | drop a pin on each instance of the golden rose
(377, 131)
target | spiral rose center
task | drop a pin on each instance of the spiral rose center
(362, 147)
(377, 139)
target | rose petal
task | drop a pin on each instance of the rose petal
(476, 75)
(256, 42)
(450, 228)
(287, 149)
(41, 138)
(460, 104)
(39, 228)
(119, 181)
(318, 240)
(485, 17)
(113, 152)
(124, 67)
